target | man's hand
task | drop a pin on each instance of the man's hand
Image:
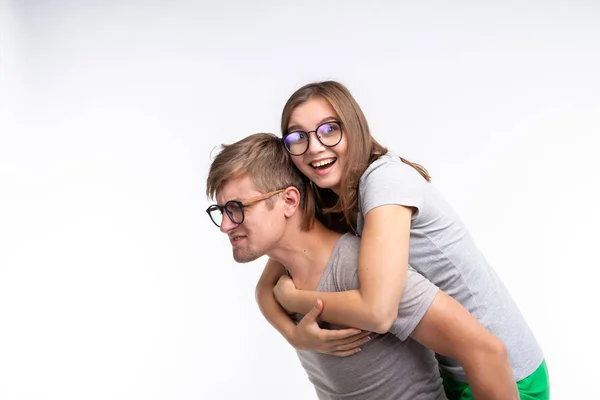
(342, 343)
(284, 292)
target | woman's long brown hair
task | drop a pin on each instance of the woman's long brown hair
(363, 149)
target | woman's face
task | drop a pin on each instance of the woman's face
(321, 164)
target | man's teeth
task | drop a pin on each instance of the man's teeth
(322, 162)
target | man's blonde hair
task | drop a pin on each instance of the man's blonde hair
(263, 158)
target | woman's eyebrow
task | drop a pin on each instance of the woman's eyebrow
(299, 127)
(294, 128)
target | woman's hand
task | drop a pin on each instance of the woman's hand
(342, 343)
(284, 292)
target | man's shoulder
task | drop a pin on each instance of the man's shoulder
(348, 245)
(344, 262)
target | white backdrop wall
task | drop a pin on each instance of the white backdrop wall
(114, 284)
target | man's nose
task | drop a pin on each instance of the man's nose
(227, 224)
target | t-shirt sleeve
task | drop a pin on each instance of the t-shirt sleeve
(390, 181)
(418, 296)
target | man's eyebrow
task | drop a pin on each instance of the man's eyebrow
(297, 127)
(226, 201)
(242, 199)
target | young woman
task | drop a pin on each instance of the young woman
(401, 218)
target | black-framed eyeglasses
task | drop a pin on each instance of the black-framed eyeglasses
(328, 133)
(235, 209)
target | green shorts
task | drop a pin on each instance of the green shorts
(535, 387)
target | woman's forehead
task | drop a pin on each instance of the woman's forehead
(311, 113)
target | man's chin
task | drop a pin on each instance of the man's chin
(244, 258)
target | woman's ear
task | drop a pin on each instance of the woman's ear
(291, 197)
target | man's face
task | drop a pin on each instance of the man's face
(262, 227)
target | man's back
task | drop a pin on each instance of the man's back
(390, 366)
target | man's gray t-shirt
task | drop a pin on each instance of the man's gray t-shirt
(391, 366)
(442, 250)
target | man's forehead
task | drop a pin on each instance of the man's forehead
(239, 188)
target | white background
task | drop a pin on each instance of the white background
(114, 284)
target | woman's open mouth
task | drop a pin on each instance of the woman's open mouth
(323, 164)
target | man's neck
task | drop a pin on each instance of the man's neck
(305, 254)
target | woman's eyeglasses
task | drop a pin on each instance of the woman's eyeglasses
(328, 134)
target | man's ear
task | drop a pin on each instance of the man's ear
(291, 197)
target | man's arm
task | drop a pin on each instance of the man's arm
(269, 307)
(306, 335)
(449, 329)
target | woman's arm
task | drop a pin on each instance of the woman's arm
(382, 265)
(307, 335)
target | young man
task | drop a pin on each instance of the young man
(263, 206)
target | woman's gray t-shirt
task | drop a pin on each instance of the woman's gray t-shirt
(442, 250)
